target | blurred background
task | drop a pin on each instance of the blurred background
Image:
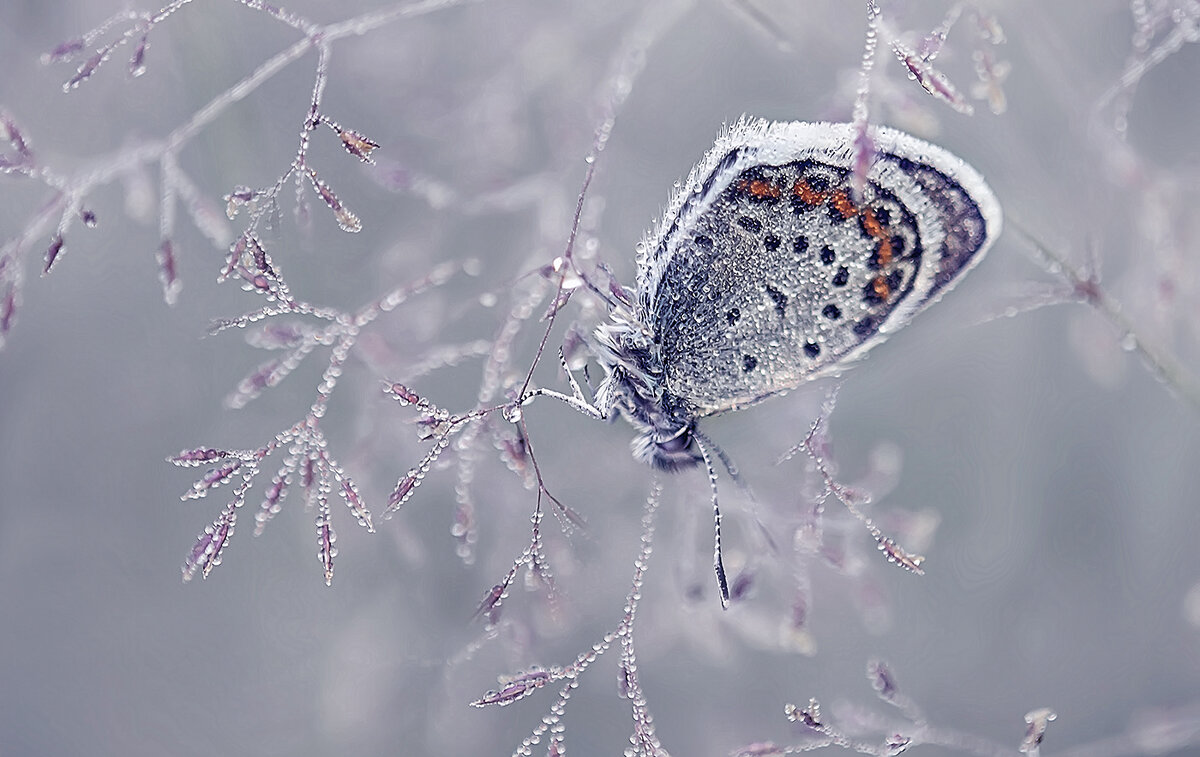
(1060, 474)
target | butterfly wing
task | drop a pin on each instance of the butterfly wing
(765, 272)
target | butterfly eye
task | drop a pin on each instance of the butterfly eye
(676, 444)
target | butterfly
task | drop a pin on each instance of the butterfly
(768, 270)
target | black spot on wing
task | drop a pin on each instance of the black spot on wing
(779, 298)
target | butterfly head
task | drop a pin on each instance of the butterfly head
(634, 387)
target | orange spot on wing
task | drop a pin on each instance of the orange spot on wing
(759, 188)
(875, 229)
(880, 285)
(872, 225)
(807, 194)
(884, 255)
(843, 204)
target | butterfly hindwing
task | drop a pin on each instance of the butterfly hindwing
(766, 272)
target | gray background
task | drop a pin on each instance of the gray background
(1063, 574)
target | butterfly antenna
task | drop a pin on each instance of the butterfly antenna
(718, 563)
(592, 286)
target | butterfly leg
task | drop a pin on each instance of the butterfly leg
(718, 562)
(576, 400)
